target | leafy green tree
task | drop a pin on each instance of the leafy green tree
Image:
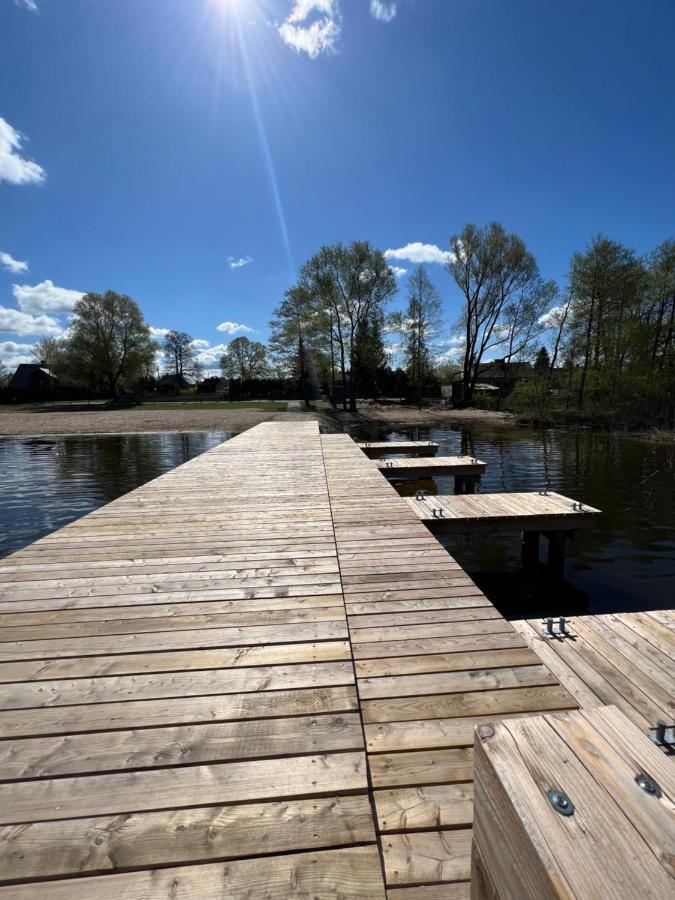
(542, 362)
(297, 343)
(369, 358)
(109, 345)
(244, 359)
(350, 284)
(494, 271)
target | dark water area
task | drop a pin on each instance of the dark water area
(626, 562)
(47, 482)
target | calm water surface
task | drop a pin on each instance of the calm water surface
(47, 482)
(626, 562)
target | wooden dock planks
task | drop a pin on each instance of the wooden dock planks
(375, 449)
(433, 658)
(490, 513)
(430, 467)
(202, 682)
(625, 660)
(177, 690)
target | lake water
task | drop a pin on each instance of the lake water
(626, 562)
(47, 482)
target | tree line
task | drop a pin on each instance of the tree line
(603, 343)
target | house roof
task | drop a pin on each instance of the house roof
(26, 375)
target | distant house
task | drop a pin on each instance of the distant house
(34, 380)
(495, 375)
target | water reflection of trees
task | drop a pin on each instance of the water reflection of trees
(107, 467)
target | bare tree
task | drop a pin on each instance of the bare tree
(418, 325)
(495, 272)
(180, 354)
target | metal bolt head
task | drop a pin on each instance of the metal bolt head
(648, 785)
(560, 802)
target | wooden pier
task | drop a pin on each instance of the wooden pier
(375, 449)
(466, 470)
(256, 676)
(492, 513)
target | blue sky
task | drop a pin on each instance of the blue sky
(194, 154)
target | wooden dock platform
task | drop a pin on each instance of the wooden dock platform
(491, 513)
(462, 467)
(375, 449)
(256, 676)
(625, 660)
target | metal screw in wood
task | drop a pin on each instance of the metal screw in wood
(560, 802)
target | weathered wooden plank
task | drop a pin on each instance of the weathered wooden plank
(431, 806)
(419, 767)
(127, 688)
(427, 856)
(175, 711)
(119, 843)
(179, 745)
(355, 869)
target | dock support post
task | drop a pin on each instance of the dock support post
(460, 484)
(529, 549)
(556, 553)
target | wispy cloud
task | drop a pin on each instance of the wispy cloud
(239, 263)
(382, 11)
(398, 271)
(159, 332)
(28, 4)
(14, 168)
(45, 297)
(13, 354)
(233, 327)
(417, 252)
(309, 35)
(16, 322)
(11, 264)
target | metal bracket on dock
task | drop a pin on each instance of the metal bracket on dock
(549, 629)
(578, 506)
(388, 463)
(420, 495)
(438, 513)
(663, 735)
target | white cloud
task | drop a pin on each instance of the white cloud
(200, 344)
(382, 11)
(398, 271)
(13, 167)
(23, 323)
(28, 4)
(552, 318)
(417, 252)
(233, 327)
(209, 357)
(159, 332)
(13, 354)
(315, 37)
(239, 263)
(45, 297)
(11, 264)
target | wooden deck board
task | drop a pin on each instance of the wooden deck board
(419, 630)
(491, 513)
(609, 660)
(209, 674)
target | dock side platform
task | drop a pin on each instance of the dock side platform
(256, 676)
